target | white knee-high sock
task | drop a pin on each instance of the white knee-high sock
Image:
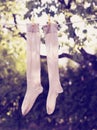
(34, 87)
(55, 88)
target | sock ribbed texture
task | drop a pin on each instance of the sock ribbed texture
(55, 88)
(34, 88)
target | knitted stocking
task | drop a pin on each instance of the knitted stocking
(34, 87)
(55, 88)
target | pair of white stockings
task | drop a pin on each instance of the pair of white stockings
(34, 88)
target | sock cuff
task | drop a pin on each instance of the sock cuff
(50, 28)
(32, 28)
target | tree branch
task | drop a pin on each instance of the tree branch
(22, 35)
(65, 55)
(60, 56)
(81, 58)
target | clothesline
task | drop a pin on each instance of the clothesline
(67, 23)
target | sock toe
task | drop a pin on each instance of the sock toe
(30, 99)
(51, 102)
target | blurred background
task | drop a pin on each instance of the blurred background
(76, 107)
